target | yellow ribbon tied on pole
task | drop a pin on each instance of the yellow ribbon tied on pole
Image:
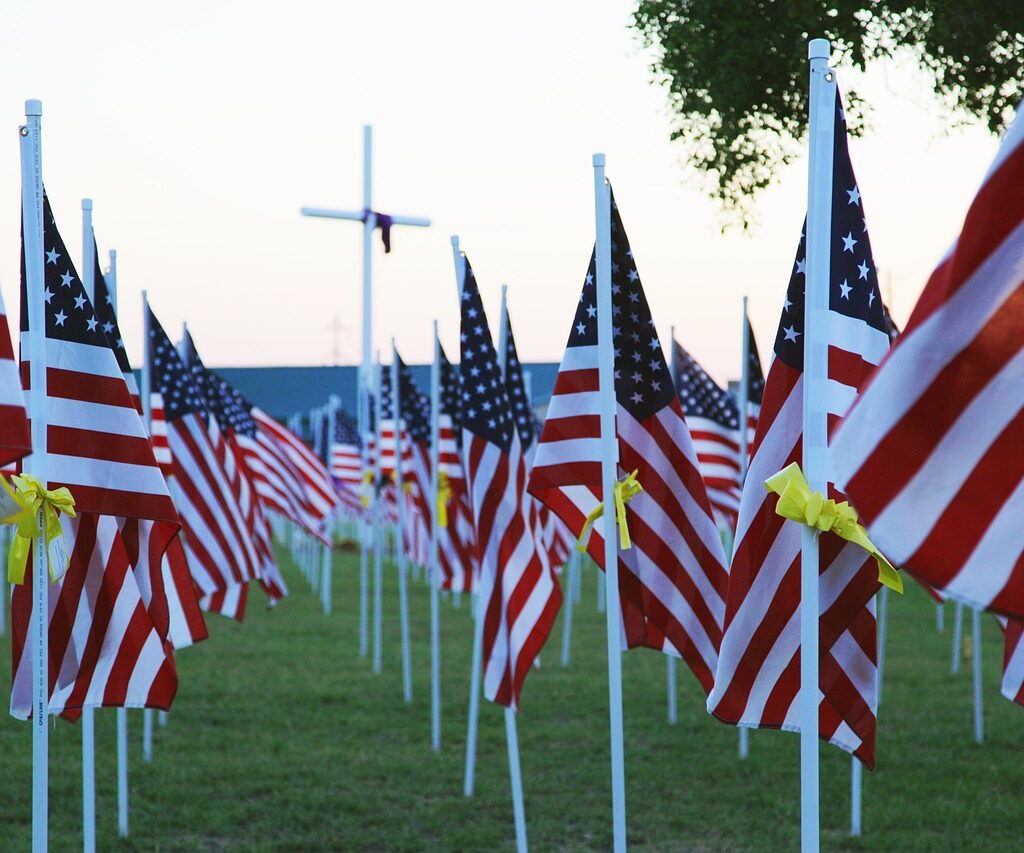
(364, 498)
(444, 494)
(623, 492)
(798, 503)
(29, 496)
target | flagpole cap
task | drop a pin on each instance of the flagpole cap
(33, 107)
(455, 240)
(86, 204)
(113, 254)
(598, 160)
(819, 49)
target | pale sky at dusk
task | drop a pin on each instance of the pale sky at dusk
(200, 128)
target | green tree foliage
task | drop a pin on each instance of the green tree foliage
(736, 71)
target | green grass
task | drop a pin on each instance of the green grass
(281, 738)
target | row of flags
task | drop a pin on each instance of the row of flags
(733, 617)
(173, 486)
(176, 482)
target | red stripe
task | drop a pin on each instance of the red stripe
(901, 453)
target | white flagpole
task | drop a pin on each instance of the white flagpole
(958, 628)
(476, 602)
(378, 529)
(979, 716)
(435, 568)
(856, 775)
(670, 661)
(147, 735)
(32, 218)
(883, 629)
(516, 779)
(88, 719)
(744, 732)
(600, 593)
(403, 567)
(609, 476)
(815, 419)
(940, 613)
(572, 570)
(369, 220)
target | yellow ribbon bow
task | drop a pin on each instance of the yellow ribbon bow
(798, 503)
(444, 494)
(623, 492)
(364, 498)
(30, 496)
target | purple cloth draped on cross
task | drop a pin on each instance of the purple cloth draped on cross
(383, 222)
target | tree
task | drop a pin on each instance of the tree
(736, 71)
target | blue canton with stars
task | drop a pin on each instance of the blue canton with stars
(387, 403)
(853, 280)
(345, 431)
(485, 406)
(104, 306)
(69, 313)
(755, 378)
(643, 383)
(515, 385)
(450, 391)
(700, 395)
(227, 407)
(411, 401)
(172, 379)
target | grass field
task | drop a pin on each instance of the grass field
(281, 738)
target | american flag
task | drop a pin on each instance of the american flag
(713, 416)
(519, 591)
(108, 626)
(15, 441)
(456, 542)
(758, 679)
(321, 499)
(556, 537)
(346, 460)
(154, 549)
(231, 414)
(414, 414)
(280, 484)
(218, 541)
(931, 453)
(672, 581)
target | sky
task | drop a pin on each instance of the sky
(200, 128)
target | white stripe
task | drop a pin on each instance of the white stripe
(936, 483)
(925, 351)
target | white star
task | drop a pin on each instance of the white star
(65, 280)
(790, 333)
(845, 288)
(589, 279)
(591, 311)
(801, 266)
(60, 317)
(849, 242)
(637, 397)
(471, 312)
(47, 295)
(633, 275)
(80, 301)
(871, 298)
(786, 305)
(92, 324)
(581, 328)
(51, 256)
(636, 377)
(854, 195)
(862, 269)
